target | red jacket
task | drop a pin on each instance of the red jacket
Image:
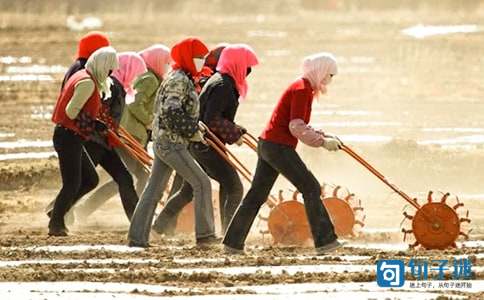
(84, 123)
(295, 103)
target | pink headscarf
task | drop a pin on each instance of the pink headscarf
(234, 61)
(315, 69)
(131, 65)
(157, 58)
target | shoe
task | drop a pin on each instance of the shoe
(57, 231)
(167, 229)
(334, 245)
(138, 245)
(233, 251)
(208, 241)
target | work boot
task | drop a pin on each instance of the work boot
(334, 245)
(165, 226)
(233, 251)
(208, 241)
(57, 229)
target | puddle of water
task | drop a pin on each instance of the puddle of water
(422, 31)
(6, 134)
(25, 144)
(26, 77)
(266, 33)
(473, 244)
(41, 112)
(37, 69)
(18, 263)
(27, 155)
(8, 60)
(358, 124)
(41, 116)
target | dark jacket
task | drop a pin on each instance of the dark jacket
(79, 64)
(112, 110)
(219, 101)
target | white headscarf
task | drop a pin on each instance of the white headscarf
(315, 69)
(99, 64)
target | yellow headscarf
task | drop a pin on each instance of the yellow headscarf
(99, 64)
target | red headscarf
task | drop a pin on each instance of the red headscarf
(183, 53)
(234, 61)
(90, 43)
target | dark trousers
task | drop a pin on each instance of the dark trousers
(114, 166)
(275, 159)
(77, 171)
(230, 192)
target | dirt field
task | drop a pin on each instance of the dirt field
(411, 106)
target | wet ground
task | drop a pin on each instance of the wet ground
(408, 98)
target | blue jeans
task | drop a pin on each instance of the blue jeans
(230, 194)
(275, 159)
(168, 157)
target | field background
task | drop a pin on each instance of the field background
(413, 107)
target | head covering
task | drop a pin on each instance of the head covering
(156, 57)
(131, 65)
(183, 53)
(99, 64)
(90, 43)
(211, 60)
(315, 69)
(234, 61)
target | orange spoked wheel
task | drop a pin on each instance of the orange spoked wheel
(344, 210)
(287, 221)
(437, 224)
(288, 224)
(186, 220)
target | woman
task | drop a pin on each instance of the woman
(131, 65)
(219, 101)
(87, 45)
(175, 125)
(277, 155)
(75, 116)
